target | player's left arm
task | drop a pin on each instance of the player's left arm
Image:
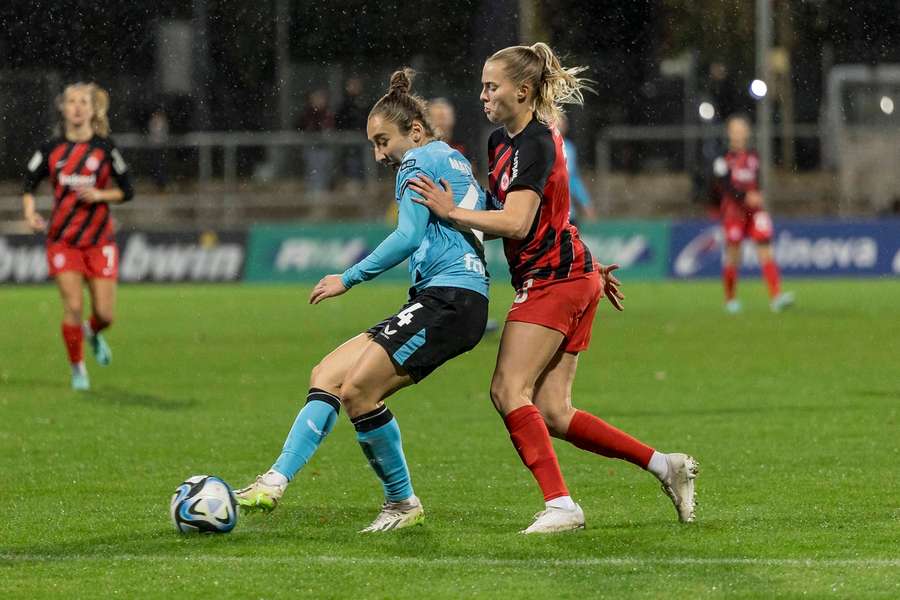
(123, 191)
(398, 246)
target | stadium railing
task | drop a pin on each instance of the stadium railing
(678, 157)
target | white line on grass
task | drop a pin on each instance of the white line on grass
(623, 561)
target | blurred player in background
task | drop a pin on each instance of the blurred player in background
(87, 174)
(579, 197)
(743, 213)
(444, 317)
(443, 116)
(558, 284)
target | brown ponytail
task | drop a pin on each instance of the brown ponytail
(401, 107)
(553, 85)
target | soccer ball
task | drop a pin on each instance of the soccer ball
(203, 503)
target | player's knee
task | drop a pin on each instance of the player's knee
(508, 393)
(72, 307)
(324, 377)
(316, 376)
(105, 317)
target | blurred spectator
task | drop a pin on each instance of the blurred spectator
(317, 158)
(354, 112)
(578, 193)
(352, 116)
(443, 119)
(158, 136)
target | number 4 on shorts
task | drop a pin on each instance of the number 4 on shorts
(404, 317)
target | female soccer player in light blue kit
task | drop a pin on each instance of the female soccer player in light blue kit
(445, 315)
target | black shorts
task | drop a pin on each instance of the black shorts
(437, 324)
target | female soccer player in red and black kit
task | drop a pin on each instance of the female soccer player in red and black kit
(558, 284)
(87, 174)
(743, 212)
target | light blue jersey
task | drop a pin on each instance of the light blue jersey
(578, 192)
(439, 254)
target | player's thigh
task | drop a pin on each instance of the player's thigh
(103, 298)
(69, 284)
(525, 351)
(553, 392)
(371, 379)
(332, 370)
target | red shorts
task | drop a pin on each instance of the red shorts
(94, 262)
(566, 305)
(740, 222)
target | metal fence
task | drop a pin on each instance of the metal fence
(688, 149)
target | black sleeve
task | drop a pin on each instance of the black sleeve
(120, 171)
(532, 163)
(37, 169)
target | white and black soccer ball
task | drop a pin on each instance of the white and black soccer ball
(203, 503)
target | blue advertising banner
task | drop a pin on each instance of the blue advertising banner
(802, 248)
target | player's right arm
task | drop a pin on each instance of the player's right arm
(535, 158)
(36, 170)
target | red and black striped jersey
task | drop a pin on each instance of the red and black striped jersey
(74, 165)
(734, 174)
(534, 159)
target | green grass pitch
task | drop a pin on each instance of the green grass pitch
(793, 418)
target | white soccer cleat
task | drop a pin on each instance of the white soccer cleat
(397, 515)
(554, 520)
(678, 484)
(733, 307)
(782, 301)
(260, 495)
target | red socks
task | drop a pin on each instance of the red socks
(770, 274)
(595, 435)
(531, 439)
(772, 277)
(73, 336)
(98, 325)
(729, 279)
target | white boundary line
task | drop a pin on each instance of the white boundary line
(623, 561)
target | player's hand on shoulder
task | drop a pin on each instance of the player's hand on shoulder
(35, 221)
(328, 287)
(610, 286)
(437, 198)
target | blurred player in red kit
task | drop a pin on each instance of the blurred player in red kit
(87, 174)
(742, 210)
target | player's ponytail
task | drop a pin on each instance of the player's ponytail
(552, 84)
(400, 106)
(99, 102)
